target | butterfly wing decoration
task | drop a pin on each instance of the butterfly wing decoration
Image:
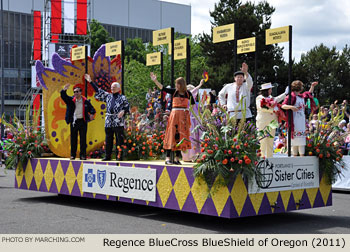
(102, 70)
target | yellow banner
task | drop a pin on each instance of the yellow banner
(114, 48)
(277, 35)
(153, 59)
(246, 45)
(78, 53)
(161, 37)
(180, 47)
(224, 33)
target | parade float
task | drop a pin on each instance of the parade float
(229, 179)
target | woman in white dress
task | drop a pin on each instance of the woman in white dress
(298, 116)
(265, 115)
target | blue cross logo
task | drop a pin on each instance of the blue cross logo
(90, 178)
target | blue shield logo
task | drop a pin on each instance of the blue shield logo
(101, 178)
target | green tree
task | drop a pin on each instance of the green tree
(330, 68)
(251, 20)
(99, 36)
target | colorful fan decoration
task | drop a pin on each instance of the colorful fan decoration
(205, 76)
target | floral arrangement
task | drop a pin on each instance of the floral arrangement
(228, 148)
(324, 142)
(270, 103)
(27, 142)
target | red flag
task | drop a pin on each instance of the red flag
(37, 35)
(56, 19)
(81, 17)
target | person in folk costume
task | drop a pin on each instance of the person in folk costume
(178, 127)
(79, 113)
(265, 115)
(231, 94)
(190, 155)
(298, 125)
(117, 106)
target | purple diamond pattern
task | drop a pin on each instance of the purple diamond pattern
(229, 210)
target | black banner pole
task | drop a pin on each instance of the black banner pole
(188, 61)
(256, 74)
(235, 48)
(122, 60)
(161, 68)
(290, 92)
(86, 69)
(172, 84)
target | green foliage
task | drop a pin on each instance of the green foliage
(99, 36)
(324, 142)
(228, 148)
(28, 141)
(330, 68)
(251, 20)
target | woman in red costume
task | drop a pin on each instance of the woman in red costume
(179, 124)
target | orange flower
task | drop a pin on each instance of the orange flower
(247, 161)
(224, 161)
(321, 155)
(310, 153)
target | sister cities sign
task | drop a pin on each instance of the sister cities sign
(223, 33)
(277, 35)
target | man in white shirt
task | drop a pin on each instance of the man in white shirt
(232, 93)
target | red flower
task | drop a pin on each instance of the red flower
(318, 150)
(216, 138)
(309, 145)
(202, 150)
(245, 144)
(229, 152)
(247, 161)
(232, 160)
(240, 161)
(234, 140)
(328, 145)
(210, 152)
(238, 147)
(224, 161)
(204, 156)
(321, 155)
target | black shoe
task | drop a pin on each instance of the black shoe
(106, 159)
(82, 158)
(168, 162)
(177, 162)
(72, 158)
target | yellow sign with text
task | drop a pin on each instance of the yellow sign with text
(246, 45)
(153, 59)
(114, 48)
(223, 33)
(161, 37)
(277, 35)
(78, 53)
(180, 47)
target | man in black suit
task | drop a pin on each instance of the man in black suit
(79, 113)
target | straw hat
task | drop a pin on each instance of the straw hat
(266, 86)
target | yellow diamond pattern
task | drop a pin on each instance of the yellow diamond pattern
(80, 180)
(38, 175)
(239, 194)
(200, 192)
(70, 177)
(59, 176)
(311, 193)
(28, 176)
(256, 200)
(272, 197)
(19, 177)
(285, 195)
(48, 175)
(324, 189)
(181, 188)
(164, 186)
(297, 194)
(220, 194)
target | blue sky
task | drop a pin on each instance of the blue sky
(314, 21)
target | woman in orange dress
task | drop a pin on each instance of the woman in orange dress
(179, 123)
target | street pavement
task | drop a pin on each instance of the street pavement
(31, 212)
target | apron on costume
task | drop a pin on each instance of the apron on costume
(178, 126)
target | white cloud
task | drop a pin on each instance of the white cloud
(314, 21)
